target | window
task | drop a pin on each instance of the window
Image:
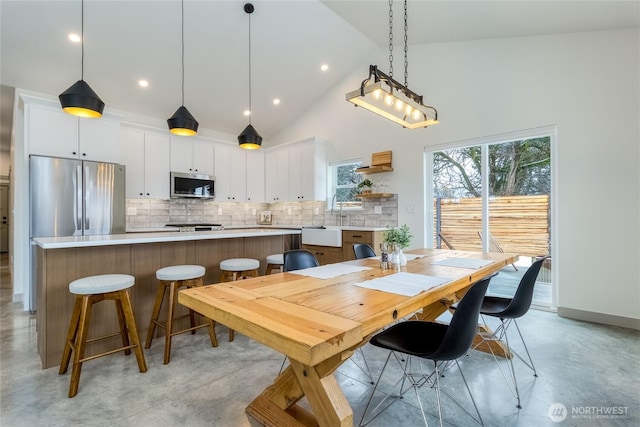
(343, 184)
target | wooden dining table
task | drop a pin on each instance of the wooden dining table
(318, 323)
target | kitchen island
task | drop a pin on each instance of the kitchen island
(60, 260)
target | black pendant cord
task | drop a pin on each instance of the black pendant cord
(82, 41)
(406, 46)
(250, 107)
(182, 36)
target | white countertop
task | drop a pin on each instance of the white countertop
(155, 237)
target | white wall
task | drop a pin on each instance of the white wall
(585, 83)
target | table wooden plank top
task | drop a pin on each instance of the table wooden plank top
(310, 319)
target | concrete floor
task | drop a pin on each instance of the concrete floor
(585, 367)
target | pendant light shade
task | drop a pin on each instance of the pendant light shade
(81, 100)
(249, 139)
(182, 123)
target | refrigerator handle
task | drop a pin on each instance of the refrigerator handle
(86, 198)
(78, 198)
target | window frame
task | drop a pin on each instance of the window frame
(333, 186)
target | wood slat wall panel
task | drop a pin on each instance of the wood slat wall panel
(520, 224)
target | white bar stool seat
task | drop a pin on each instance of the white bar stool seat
(238, 268)
(274, 261)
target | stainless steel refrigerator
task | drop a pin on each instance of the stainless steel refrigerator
(74, 198)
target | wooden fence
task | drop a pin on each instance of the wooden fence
(519, 224)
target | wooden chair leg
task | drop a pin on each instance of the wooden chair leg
(71, 335)
(157, 305)
(80, 344)
(133, 330)
(269, 269)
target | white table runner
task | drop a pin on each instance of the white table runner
(403, 283)
(330, 271)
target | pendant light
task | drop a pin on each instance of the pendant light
(382, 95)
(182, 122)
(249, 139)
(80, 99)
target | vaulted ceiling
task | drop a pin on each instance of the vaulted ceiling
(126, 41)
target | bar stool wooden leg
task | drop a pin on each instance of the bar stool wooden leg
(123, 326)
(169, 323)
(71, 335)
(157, 305)
(80, 344)
(133, 329)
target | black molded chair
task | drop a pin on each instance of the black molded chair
(434, 341)
(363, 250)
(508, 310)
(299, 259)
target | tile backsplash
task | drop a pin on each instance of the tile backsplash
(154, 213)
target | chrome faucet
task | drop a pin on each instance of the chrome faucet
(333, 204)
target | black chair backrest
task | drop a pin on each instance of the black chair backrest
(362, 250)
(464, 324)
(298, 259)
(521, 301)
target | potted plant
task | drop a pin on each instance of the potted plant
(397, 239)
(365, 186)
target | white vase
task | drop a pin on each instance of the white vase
(402, 258)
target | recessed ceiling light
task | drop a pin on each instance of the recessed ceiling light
(143, 83)
(247, 112)
(276, 101)
(324, 67)
(74, 38)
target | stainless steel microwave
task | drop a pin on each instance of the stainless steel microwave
(192, 185)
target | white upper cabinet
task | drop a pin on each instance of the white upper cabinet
(191, 155)
(297, 172)
(277, 176)
(231, 174)
(146, 157)
(255, 176)
(52, 132)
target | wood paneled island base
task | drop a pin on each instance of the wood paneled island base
(57, 267)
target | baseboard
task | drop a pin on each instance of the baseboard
(605, 319)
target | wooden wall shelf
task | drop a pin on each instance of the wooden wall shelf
(375, 169)
(373, 195)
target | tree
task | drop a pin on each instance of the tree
(515, 168)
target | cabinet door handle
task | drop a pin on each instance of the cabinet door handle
(357, 236)
(141, 194)
(74, 153)
(84, 154)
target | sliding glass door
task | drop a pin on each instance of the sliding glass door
(494, 196)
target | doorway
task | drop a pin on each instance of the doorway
(4, 218)
(494, 195)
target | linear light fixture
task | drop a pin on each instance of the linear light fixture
(382, 95)
(386, 97)
(80, 100)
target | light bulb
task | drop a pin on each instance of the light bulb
(399, 105)
(377, 94)
(416, 114)
(388, 100)
(408, 110)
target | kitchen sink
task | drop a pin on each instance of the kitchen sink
(322, 236)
